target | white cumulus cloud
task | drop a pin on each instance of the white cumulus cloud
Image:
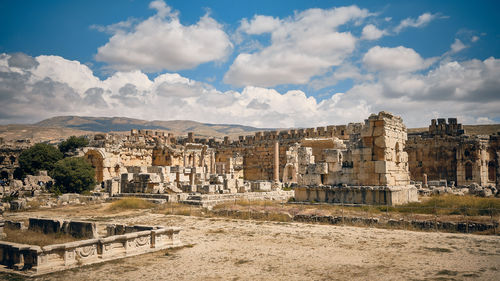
(32, 89)
(302, 46)
(162, 42)
(371, 32)
(421, 21)
(399, 59)
(457, 46)
(259, 24)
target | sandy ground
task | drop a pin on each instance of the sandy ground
(227, 249)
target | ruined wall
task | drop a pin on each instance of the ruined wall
(381, 159)
(112, 162)
(477, 162)
(189, 155)
(9, 155)
(258, 151)
(374, 156)
(436, 157)
(379, 195)
(446, 152)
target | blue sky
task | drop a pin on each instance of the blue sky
(260, 63)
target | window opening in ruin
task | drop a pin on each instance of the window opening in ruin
(4, 175)
(12, 159)
(347, 164)
(342, 132)
(466, 153)
(323, 178)
(2, 158)
(492, 175)
(419, 163)
(468, 171)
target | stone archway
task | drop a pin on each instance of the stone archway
(4, 175)
(96, 158)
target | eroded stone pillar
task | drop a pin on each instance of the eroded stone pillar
(424, 182)
(276, 170)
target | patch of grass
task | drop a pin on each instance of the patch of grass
(31, 237)
(449, 204)
(34, 204)
(246, 203)
(180, 209)
(130, 203)
(12, 277)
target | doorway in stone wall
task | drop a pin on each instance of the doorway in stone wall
(492, 171)
(290, 174)
(468, 171)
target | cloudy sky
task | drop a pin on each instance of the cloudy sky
(259, 63)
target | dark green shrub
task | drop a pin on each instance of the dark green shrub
(73, 175)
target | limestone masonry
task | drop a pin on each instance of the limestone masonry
(374, 162)
(369, 154)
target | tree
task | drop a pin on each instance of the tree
(73, 175)
(72, 143)
(41, 156)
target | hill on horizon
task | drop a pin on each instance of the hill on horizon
(61, 127)
(114, 124)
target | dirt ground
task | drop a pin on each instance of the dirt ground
(228, 249)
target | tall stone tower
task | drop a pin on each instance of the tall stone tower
(381, 159)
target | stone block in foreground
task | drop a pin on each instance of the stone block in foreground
(370, 195)
(31, 260)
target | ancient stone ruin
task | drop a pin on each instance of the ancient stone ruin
(446, 152)
(374, 162)
(120, 241)
(354, 155)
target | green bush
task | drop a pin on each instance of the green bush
(73, 175)
(72, 143)
(38, 157)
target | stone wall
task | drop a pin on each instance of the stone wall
(258, 151)
(77, 229)
(446, 152)
(371, 195)
(374, 157)
(33, 260)
(9, 154)
(112, 162)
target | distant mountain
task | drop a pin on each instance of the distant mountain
(61, 127)
(37, 133)
(109, 124)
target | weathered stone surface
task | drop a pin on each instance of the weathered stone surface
(34, 260)
(445, 152)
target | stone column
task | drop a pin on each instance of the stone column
(424, 182)
(276, 170)
(212, 163)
